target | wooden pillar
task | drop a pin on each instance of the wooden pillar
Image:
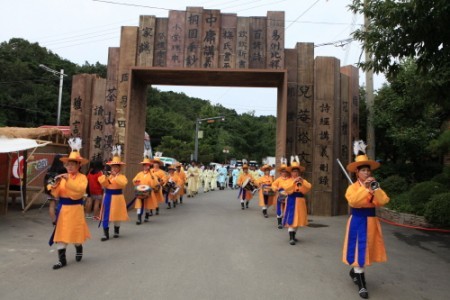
(275, 40)
(280, 147)
(160, 56)
(175, 39)
(193, 40)
(258, 43)
(227, 46)
(291, 126)
(243, 43)
(112, 73)
(344, 139)
(210, 38)
(97, 119)
(326, 107)
(146, 41)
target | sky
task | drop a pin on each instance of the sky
(82, 30)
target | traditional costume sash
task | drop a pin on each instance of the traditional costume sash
(106, 207)
(290, 208)
(61, 202)
(280, 202)
(357, 234)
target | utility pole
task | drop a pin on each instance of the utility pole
(369, 97)
(197, 125)
(61, 77)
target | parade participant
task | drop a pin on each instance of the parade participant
(295, 213)
(244, 195)
(182, 175)
(235, 175)
(201, 170)
(95, 189)
(265, 189)
(145, 179)
(207, 175)
(192, 178)
(173, 187)
(222, 177)
(161, 177)
(279, 186)
(70, 223)
(214, 177)
(363, 243)
(114, 206)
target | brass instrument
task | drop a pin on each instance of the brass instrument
(55, 180)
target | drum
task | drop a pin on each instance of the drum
(169, 187)
(249, 186)
(142, 191)
(267, 190)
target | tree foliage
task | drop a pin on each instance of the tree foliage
(418, 29)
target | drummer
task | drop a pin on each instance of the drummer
(173, 194)
(145, 180)
(264, 183)
(114, 207)
(245, 195)
(279, 186)
(295, 214)
(161, 177)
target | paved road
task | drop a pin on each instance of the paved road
(210, 249)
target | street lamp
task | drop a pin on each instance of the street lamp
(197, 125)
(61, 76)
(226, 151)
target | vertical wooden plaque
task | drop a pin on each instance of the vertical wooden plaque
(175, 39)
(146, 41)
(193, 37)
(227, 47)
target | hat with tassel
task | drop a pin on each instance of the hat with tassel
(295, 164)
(116, 152)
(157, 159)
(361, 158)
(146, 160)
(283, 166)
(75, 144)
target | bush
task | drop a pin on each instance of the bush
(400, 203)
(394, 185)
(437, 210)
(443, 178)
(421, 193)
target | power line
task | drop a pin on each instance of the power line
(301, 15)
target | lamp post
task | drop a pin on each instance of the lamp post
(197, 125)
(61, 77)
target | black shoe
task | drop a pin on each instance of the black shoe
(62, 259)
(105, 236)
(291, 238)
(139, 219)
(116, 231)
(169, 206)
(361, 282)
(295, 239)
(147, 215)
(157, 211)
(246, 204)
(150, 213)
(79, 254)
(181, 201)
(242, 205)
(353, 276)
(264, 211)
(280, 226)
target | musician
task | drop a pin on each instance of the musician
(114, 206)
(145, 177)
(295, 213)
(363, 243)
(70, 223)
(192, 178)
(264, 183)
(173, 187)
(161, 177)
(244, 195)
(279, 186)
(182, 175)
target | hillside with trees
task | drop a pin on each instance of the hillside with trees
(28, 98)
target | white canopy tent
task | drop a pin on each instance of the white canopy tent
(15, 145)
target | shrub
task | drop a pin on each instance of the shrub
(437, 210)
(394, 185)
(400, 203)
(421, 193)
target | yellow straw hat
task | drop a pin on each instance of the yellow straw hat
(283, 165)
(171, 167)
(116, 160)
(146, 160)
(361, 158)
(266, 168)
(157, 160)
(244, 166)
(295, 164)
(75, 144)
